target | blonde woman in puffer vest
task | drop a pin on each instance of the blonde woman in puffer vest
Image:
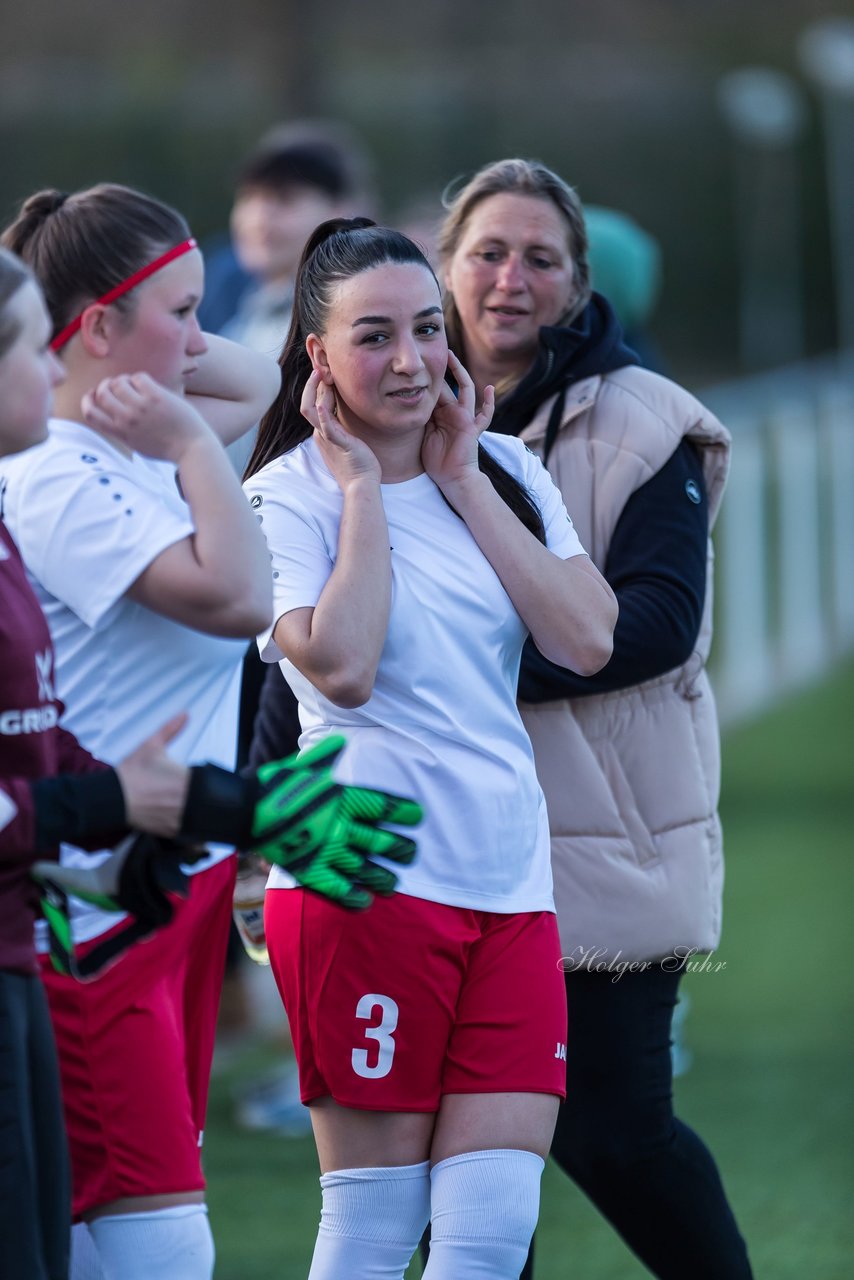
(628, 759)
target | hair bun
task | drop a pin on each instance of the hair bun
(44, 203)
(32, 216)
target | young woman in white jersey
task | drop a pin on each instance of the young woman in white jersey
(152, 572)
(51, 789)
(410, 563)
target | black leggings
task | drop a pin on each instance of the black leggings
(618, 1139)
(35, 1184)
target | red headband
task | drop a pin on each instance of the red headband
(66, 334)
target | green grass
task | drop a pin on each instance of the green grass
(771, 1034)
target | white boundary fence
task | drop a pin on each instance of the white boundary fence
(785, 536)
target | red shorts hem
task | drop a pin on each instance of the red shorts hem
(508, 1088)
(371, 1106)
(431, 1109)
(120, 1189)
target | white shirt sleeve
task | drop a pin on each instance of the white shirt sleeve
(300, 560)
(87, 530)
(518, 459)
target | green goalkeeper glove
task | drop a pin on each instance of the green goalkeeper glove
(326, 834)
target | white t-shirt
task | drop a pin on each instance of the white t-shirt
(441, 724)
(88, 521)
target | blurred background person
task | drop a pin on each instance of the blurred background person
(629, 758)
(625, 266)
(298, 175)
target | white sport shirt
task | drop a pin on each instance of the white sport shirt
(442, 724)
(88, 521)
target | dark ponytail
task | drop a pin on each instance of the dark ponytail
(81, 246)
(338, 250)
(514, 494)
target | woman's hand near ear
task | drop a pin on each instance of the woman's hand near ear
(348, 458)
(135, 411)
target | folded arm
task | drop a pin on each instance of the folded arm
(656, 565)
(233, 387)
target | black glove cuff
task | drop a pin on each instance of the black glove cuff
(220, 806)
(80, 808)
(140, 889)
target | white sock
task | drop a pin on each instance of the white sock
(169, 1244)
(484, 1209)
(85, 1260)
(371, 1222)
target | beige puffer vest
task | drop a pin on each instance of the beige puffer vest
(631, 778)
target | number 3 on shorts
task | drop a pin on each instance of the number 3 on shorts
(383, 1034)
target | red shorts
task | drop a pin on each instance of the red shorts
(135, 1049)
(391, 1008)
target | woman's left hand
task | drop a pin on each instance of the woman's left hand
(449, 449)
(134, 410)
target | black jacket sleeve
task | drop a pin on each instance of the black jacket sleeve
(656, 567)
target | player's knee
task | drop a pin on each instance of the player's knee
(371, 1221)
(484, 1209)
(389, 1206)
(173, 1244)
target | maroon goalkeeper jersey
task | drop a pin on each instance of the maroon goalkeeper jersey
(32, 745)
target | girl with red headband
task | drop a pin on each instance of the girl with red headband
(153, 573)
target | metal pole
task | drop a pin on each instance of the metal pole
(765, 111)
(826, 52)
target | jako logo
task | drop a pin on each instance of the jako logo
(560, 1052)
